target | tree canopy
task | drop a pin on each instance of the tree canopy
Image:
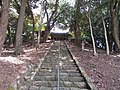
(86, 19)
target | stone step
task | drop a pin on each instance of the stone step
(73, 88)
(50, 88)
(30, 88)
(75, 74)
(45, 88)
(67, 65)
(55, 58)
(66, 58)
(70, 88)
(48, 70)
(44, 73)
(61, 88)
(62, 67)
(47, 83)
(62, 78)
(72, 79)
(62, 84)
(69, 68)
(61, 71)
(76, 79)
(69, 71)
(56, 62)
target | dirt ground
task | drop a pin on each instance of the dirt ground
(12, 67)
(104, 70)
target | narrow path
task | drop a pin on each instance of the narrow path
(46, 78)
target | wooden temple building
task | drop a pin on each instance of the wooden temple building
(59, 36)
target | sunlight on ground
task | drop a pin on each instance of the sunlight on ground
(50, 70)
(71, 60)
(88, 50)
(28, 50)
(10, 59)
(64, 57)
(26, 58)
(9, 51)
(118, 55)
(54, 50)
(61, 63)
(115, 55)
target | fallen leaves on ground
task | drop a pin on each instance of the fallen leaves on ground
(103, 69)
(12, 67)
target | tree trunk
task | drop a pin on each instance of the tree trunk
(106, 39)
(9, 35)
(77, 35)
(50, 19)
(33, 31)
(93, 41)
(33, 21)
(77, 22)
(39, 37)
(4, 22)
(115, 23)
(18, 44)
(42, 14)
(45, 36)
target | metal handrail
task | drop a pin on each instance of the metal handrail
(58, 83)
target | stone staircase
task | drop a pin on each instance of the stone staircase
(46, 77)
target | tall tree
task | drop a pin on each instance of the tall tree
(101, 12)
(3, 22)
(42, 14)
(51, 17)
(18, 44)
(88, 14)
(9, 35)
(91, 30)
(33, 20)
(115, 23)
(106, 39)
(77, 24)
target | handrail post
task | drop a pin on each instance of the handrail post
(58, 83)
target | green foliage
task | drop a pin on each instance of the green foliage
(43, 27)
(12, 24)
(28, 29)
(66, 14)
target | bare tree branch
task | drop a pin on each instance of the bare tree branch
(45, 6)
(56, 7)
